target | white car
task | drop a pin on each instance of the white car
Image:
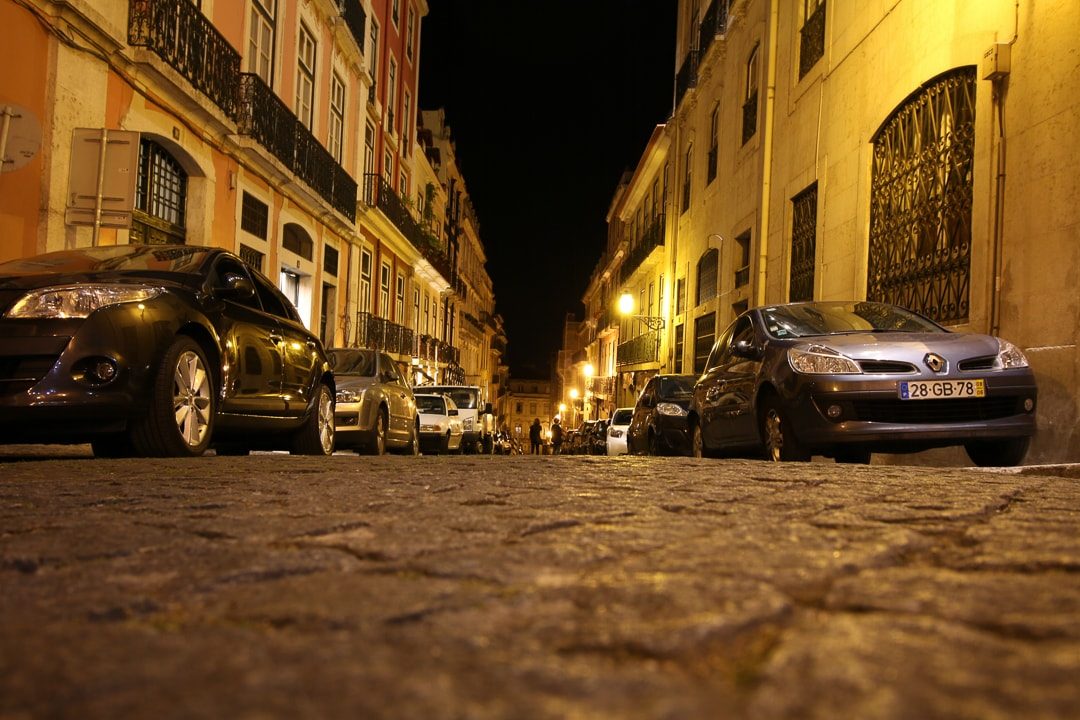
(616, 432)
(440, 425)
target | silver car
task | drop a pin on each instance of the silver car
(376, 409)
(616, 431)
(845, 379)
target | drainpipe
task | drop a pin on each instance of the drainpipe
(999, 190)
(767, 152)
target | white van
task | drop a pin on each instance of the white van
(467, 399)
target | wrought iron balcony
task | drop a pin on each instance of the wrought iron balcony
(266, 117)
(355, 19)
(713, 23)
(602, 386)
(379, 194)
(653, 238)
(182, 36)
(378, 333)
(645, 348)
(498, 344)
(432, 349)
(686, 78)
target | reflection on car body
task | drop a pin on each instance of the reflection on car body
(659, 423)
(375, 405)
(440, 425)
(157, 350)
(845, 379)
(616, 431)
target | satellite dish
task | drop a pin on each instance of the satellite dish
(20, 136)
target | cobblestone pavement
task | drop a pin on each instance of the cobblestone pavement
(535, 587)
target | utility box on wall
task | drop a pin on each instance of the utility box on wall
(995, 63)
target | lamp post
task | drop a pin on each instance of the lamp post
(653, 322)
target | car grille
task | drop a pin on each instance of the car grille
(20, 373)
(936, 411)
(891, 367)
(983, 363)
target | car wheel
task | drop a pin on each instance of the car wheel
(852, 456)
(180, 419)
(382, 422)
(316, 436)
(413, 448)
(698, 443)
(777, 437)
(654, 444)
(112, 446)
(998, 453)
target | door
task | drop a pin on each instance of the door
(398, 397)
(301, 359)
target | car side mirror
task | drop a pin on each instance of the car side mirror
(451, 412)
(746, 349)
(236, 288)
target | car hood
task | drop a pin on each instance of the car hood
(353, 382)
(909, 347)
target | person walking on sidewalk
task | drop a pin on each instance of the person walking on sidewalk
(534, 436)
(556, 437)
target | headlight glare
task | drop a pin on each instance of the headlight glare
(1009, 356)
(77, 301)
(671, 409)
(821, 360)
(347, 395)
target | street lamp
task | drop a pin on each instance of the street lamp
(626, 308)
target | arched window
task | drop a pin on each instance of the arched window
(160, 197)
(920, 211)
(707, 268)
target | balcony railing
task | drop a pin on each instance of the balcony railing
(644, 348)
(379, 194)
(182, 36)
(653, 238)
(355, 18)
(265, 117)
(602, 386)
(378, 333)
(498, 344)
(432, 349)
(713, 23)
(686, 78)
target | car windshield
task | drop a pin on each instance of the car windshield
(431, 404)
(810, 319)
(622, 417)
(113, 257)
(464, 398)
(353, 362)
(676, 388)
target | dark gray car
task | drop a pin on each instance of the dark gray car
(375, 409)
(845, 379)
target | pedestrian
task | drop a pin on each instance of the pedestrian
(487, 429)
(534, 436)
(556, 437)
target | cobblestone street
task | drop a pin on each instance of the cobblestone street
(535, 587)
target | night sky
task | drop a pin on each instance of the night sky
(548, 101)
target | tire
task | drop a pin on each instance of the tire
(180, 418)
(112, 446)
(654, 444)
(777, 437)
(316, 435)
(998, 453)
(852, 456)
(382, 423)
(697, 443)
(413, 448)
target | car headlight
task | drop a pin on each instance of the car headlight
(431, 428)
(821, 360)
(346, 395)
(666, 408)
(1009, 356)
(77, 301)
(616, 433)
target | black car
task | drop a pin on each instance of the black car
(659, 425)
(157, 350)
(846, 379)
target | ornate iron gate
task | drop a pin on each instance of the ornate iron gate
(920, 213)
(803, 244)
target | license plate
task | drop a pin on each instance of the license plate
(942, 389)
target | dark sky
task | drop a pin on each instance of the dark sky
(548, 101)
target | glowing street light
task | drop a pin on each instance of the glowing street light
(626, 308)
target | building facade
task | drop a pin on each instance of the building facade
(283, 130)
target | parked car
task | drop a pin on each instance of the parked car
(616, 431)
(157, 350)
(468, 401)
(440, 423)
(376, 410)
(846, 379)
(659, 423)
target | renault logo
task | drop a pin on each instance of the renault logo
(935, 362)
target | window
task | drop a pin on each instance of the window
(707, 268)
(391, 94)
(405, 134)
(261, 40)
(679, 333)
(384, 290)
(686, 177)
(742, 259)
(337, 117)
(803, 244)
(330, 260)
(395, 12)
(410, 34)
(920, 200)
(416, 309)
(425, 327)
(369, 149)
(750, 98)
(251, 256)
(388, 167)
(305, 77)
(365, 280)
(399, 299)
(714, 131)
(254, 215)
(160, 197)
(680, 296)
(811, 35)
(373, 54)
(704, 335)
(295, 239)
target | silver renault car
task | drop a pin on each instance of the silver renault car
(376, 410)
(846, 379)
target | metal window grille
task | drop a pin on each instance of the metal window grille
(812, 37)
(252, 257)
(803, 244)
(707, 269)
(921, 192)
(254, 215)
(160, 197)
